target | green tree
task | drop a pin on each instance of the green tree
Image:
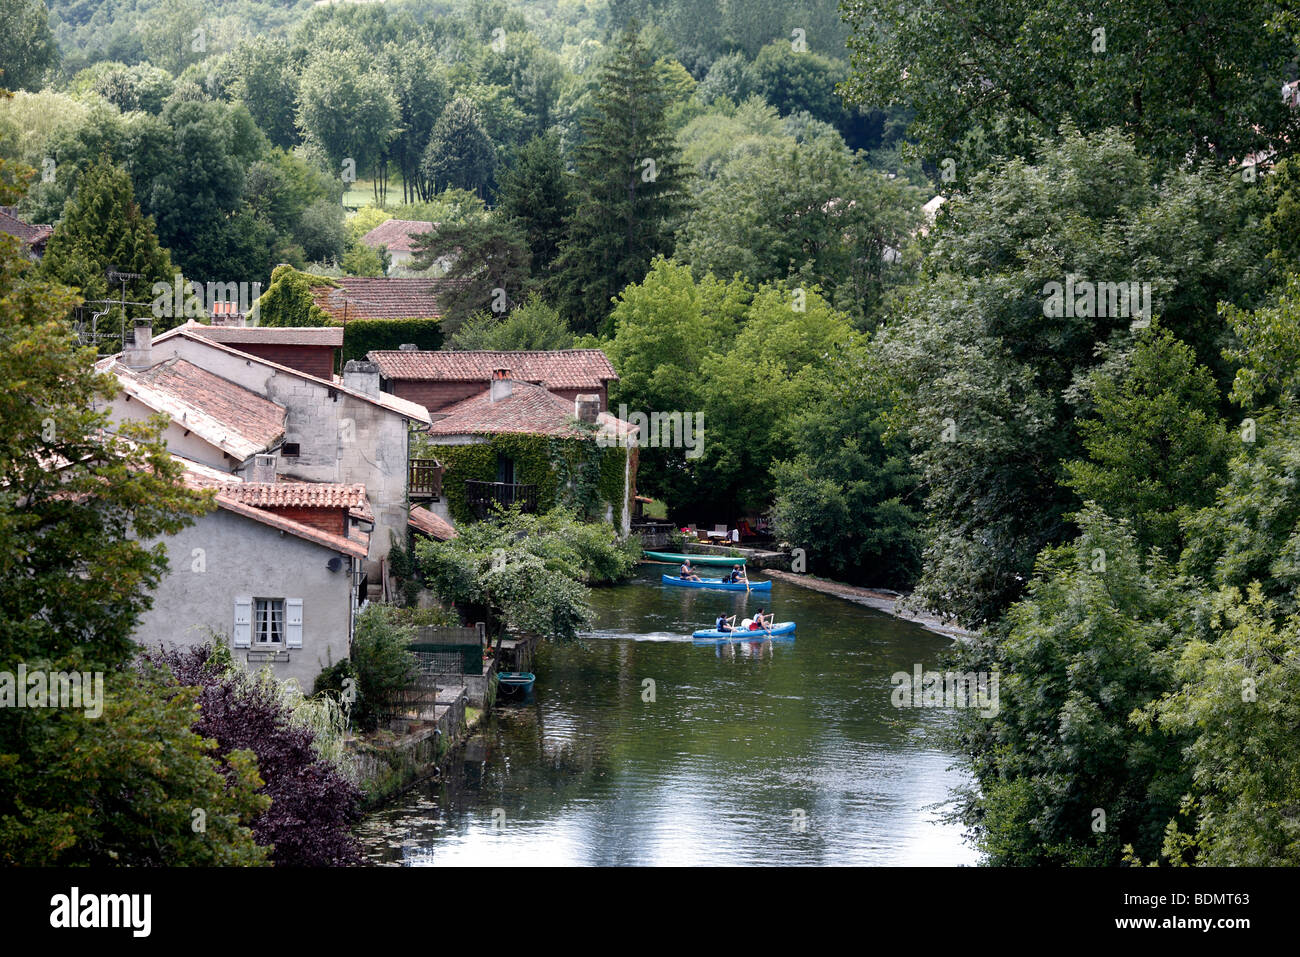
(1200, 80)
(533, 324)
(667, 327)
(488, 266)
(1250, 533)
(140, 87)
(786, 343)
(27, 47)
(103, 228)
(526, 573)
(1094, 639)
(422, 95)
(1237, 701)
(349, 109)
(630, 188)
(1156, 447)
(988, 376)
(81, 509)
(843, 493)
(120, 789)
(536, 194)
(809, 212)
(460, 154)
(794, 82)
(268, 85)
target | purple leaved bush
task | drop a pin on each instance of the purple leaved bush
(313, 806)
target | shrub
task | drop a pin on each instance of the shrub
(362, 335)
(313, 805)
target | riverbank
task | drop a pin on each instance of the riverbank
(881, 600)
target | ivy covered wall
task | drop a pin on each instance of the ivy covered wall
(573, 472)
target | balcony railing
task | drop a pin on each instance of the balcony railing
(482, 496)
(424, 479)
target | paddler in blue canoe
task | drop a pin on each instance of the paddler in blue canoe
(688, 573)
(724, 623)
(737, 575)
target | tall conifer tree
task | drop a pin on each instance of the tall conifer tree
(630, 188)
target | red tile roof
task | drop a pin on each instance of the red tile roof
(30, 235)
(297, 494)
(356, 544)
(234, 419)
(395, 235)
(366, 297)
(409, 410)
(529, 409)
(273, 335)
(435, 526)
(554, 369)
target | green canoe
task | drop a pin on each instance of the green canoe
(694, 559)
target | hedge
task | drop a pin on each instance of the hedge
(362, 335)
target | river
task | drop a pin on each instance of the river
(786, 752)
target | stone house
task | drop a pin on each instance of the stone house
(396, 236)
(518, 424)
(236, 411)
(274, 570)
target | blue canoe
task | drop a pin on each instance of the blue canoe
(519, 682)
(717, 583)
(710, 634)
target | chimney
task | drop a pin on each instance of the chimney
(362, 375)
(501, 385)
(586, 407)
(139, 354)
(263, 470)
(408, 347)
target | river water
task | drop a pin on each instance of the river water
(775, 752)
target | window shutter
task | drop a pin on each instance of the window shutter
(243, 621)
(293, 622)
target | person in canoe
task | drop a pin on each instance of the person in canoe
(761, 621)
(738, 575)
(724, 623)
(688, 573)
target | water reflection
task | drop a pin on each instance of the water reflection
(641, 747)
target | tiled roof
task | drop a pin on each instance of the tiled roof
(529, 409)
(356, 544)
(403, 407)
(366, 297)
(395, 235)
(297, 494)
(31, 235)
(435, 526)
(234, 419)
(272, 335)
(554, 369)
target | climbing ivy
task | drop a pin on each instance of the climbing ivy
(567, 471)
(288, 300)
